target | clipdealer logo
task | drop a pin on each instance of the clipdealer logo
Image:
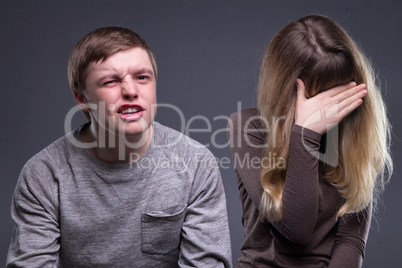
(242, 131)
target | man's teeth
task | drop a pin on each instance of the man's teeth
(129, 111)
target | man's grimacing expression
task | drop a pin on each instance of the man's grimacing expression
(124, 89)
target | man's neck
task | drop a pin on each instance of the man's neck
(115, 149)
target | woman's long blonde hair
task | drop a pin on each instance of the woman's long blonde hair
(323, 55)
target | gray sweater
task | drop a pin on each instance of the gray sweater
(166, 210)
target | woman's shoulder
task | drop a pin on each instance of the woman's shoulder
(248, 118)
(248, 125)
(244, 114)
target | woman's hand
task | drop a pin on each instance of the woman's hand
(325, 110)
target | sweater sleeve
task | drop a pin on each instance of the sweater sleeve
(300, 197)
(34, 242)
(205, 233)
(350, 241)
(301, 191)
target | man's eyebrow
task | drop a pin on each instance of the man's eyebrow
(115, 74)
(143, 71)
(108, 76)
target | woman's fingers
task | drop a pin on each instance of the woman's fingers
(327, 108)
(350, 92)
(351, 98)
(350, 108)
(344, 103)
(340, 89)
(346, 100)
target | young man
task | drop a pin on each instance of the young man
(122, 190)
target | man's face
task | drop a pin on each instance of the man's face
(123, 88)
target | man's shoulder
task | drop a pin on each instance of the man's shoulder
(54, 155)
(39, 172)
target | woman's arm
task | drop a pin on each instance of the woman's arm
(246, 137)
(350, 242)
(300, 195)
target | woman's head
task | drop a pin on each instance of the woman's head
(321, 53)
(314, 49)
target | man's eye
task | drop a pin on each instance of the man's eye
(142, 77)
(109, 82)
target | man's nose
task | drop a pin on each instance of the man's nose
(129, 90)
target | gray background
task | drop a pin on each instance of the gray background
(208, 54)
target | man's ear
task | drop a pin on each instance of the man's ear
(81, 101)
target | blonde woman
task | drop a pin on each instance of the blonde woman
(311, 159)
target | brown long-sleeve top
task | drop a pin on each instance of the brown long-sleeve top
(308, 235)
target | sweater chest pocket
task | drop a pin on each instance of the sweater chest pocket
(161, 230)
